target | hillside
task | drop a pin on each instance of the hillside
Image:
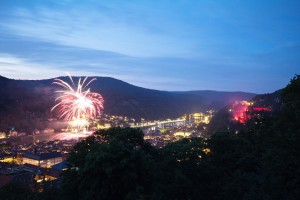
(25, 104)
(221, 121)
(219, 99)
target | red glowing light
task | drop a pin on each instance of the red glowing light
(262, 109)
(239, 111)
(242, 111)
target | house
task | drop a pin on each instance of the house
(45, 160)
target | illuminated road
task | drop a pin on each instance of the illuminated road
(159, 123)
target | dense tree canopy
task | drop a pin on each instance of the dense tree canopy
(112, 164)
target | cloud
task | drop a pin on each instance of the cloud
(20, 68)
(89, 28)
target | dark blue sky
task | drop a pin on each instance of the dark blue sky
(246, 45)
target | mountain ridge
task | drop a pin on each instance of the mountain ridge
(28, 102)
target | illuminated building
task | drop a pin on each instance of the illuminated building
(183, 134)
(201, 117)
(45, 160)
(6, 157)
(198, 117)
(2, 135)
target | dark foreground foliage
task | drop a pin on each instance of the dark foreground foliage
(261, 162)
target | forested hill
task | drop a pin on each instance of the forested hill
(26, 103)
(274, 101)
(221, 121)
(219, 99)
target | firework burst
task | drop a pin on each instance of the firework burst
(76, 103)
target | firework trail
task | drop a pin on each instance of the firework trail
(76, 103)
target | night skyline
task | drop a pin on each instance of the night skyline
(248, 46)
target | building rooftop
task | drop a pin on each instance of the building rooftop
(29, 167)
(42, 156)
(61, 165)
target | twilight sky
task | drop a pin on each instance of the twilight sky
(246, 45)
